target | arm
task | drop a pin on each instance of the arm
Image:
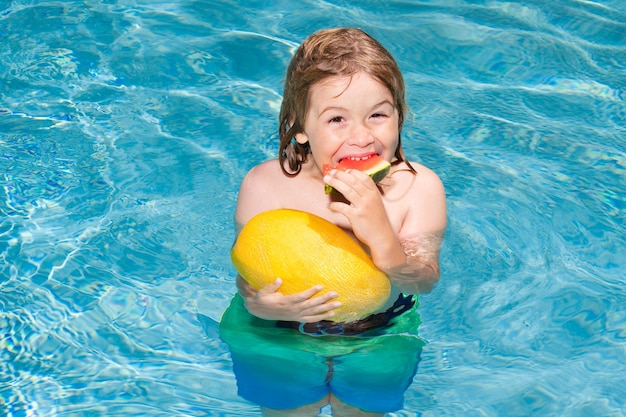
(403, 230)
(259, 192)
(419, 272)
(421, 236)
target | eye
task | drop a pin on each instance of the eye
(379, 114)
(336, 119)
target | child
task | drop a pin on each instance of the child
(343, 98)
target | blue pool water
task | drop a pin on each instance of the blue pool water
(127, 125)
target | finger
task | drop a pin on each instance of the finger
(353, 185)
(362, 177)
(342, 208)
(306, 294)
(358, 178)
(320, 312)
(272, 287)
(342, 186)
(317, 317)
(324, 306)
(322, 309)
(339, 178)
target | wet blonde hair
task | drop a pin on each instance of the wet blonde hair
(327, 53)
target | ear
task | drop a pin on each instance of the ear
(302, 138)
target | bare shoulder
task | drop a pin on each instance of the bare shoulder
(408, 183)
(257, 192)
(427, 178)
(266, 177)
(427, 203)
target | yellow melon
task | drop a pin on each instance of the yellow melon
(305, 250)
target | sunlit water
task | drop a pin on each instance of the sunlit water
(127, 125)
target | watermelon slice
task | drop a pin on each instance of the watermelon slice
(373, 165)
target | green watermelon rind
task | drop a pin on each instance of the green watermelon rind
(376, 173)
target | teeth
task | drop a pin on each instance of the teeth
(359, 158)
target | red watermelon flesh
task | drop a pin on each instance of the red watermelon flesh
(373, 165)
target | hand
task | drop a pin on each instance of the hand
(365, 212)
(269, 304)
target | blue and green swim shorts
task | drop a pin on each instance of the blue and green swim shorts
(280, 367)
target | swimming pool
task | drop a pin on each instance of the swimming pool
(127, 125)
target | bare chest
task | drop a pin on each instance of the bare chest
(307, 195)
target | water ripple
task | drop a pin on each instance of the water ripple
(126, 128)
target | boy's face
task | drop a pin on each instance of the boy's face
(350, 117)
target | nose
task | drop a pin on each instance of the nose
(360, 135)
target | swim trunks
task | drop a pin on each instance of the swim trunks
(282, 368)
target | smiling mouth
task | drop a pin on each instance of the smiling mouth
(358, 158)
